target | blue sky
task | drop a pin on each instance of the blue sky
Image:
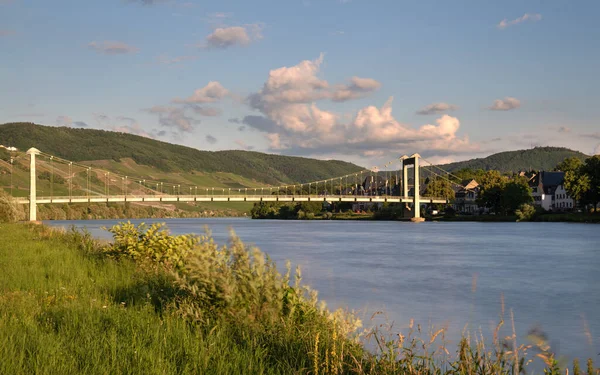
(311, 78)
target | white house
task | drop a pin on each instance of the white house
(562, 200)
(549, 192)
(9, 148)
(466, 198)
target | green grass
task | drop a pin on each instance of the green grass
(65, 312)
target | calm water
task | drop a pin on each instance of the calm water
(445, 274)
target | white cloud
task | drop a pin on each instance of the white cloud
(597, 150)
(174, 117)
(436, 108)
(357, 88)
(129, 125)
(505, 104)
(243, 145)
(205, 111)
(210, 93)
(166, 60)
(526, 17)
(292, 121)
(112, 48)
(64, 121)
(224, 37)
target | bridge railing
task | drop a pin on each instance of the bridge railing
(226, 197)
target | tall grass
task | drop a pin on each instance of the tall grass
(153, 303)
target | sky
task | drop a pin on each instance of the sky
(365, 81)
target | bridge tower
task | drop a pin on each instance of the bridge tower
(407, 162)
(32, 152)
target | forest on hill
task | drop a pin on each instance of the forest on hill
(536, 159)
(77, 144)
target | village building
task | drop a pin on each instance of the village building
(549, 192)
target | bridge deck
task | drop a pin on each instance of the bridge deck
(229, 198)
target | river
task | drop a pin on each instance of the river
(443, 274)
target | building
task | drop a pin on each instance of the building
(465, 197)
(562, 201)
(549, 192)
(9, 148)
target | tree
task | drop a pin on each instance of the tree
(491, 185)
(569, 164)
(440, 188)
(591, 169)
(515, 194)
(583, 183)
(576, 184)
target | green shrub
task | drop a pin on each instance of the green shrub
(525, 212)
(9, 212)
(150, 246)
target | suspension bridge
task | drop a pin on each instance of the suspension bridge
(368, 186)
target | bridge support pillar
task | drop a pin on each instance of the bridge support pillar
(413, 161)
(417, 195)
(32, 152)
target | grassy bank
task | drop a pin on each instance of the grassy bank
(570, 218)
(152, 303)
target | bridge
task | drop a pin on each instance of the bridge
(347, 188)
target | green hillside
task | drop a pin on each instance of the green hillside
(90, 144)
(538, 158)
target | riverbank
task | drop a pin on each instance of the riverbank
(74, 307)
(99, 211)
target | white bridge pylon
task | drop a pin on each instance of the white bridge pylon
(300, 192)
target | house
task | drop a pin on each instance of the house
(562, 201)
(549, 192)
(9, 148)
(465, 197)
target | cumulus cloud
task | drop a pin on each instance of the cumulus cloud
(534, 17)
(505, 104)
(174, 117)
(243, 145)
(234, 120)
(205, 111)
(436, 108)
(225, 37)
(210, 139)
(112, 48)
(210, 93)
(68, 121)
(292, 121)
(357, 88)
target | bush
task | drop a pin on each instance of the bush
(525, 212)
(449, 212)
(151, 246)
(9, 212)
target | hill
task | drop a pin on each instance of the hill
(90, 144)
(538, 158)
